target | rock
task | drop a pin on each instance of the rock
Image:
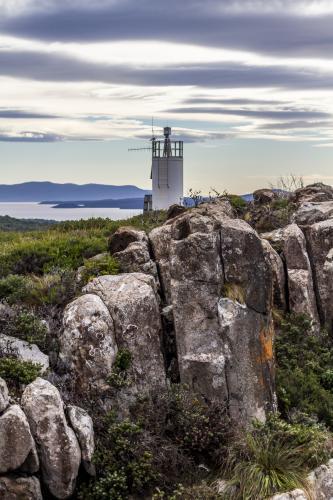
(275, 264)
(16, 440)
(249, 360)
(292, 495)
(321, 480)
(123, 237)
(31, 464)
(174, 211)
(313, 193)
(14, 487)
(204, 256)
(245, 264)
(290, 241)
(24, 351)
(133, 304)
(4, 396)
(311, 213)
(58, 448)
(320, 246)
(87, 343)
(83, 427)
(131, 249)
(264, 196)
(160, 239)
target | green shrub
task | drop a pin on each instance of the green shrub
(119, 376)
(25, 325)
(103, 266)
(123, 465)
(58, 287)
(237, 202)
(304, 369)
(19, 372)
(14, 288)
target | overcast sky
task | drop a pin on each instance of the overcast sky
(248, 84)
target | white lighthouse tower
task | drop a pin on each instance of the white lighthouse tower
(167, 172)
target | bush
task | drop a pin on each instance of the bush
(103, 266)
(123, 465)
(14, 288)
(274, 457)
(304, 369)
(119, 376)
(19, 372)
(237, 202)
(25, 325)
(166, 442)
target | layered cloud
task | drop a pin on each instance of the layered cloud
(98, 70)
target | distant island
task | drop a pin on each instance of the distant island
(44, 191)
(125, 203)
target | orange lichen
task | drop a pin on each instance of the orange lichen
(266, 340)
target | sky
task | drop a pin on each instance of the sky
(247, 84)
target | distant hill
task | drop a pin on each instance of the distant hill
(45, 191)
(11, 224)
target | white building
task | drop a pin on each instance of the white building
(167, 172)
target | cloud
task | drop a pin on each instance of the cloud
(58, 68)
(281, 28)
(19, 114)
(250, 113)
(300, 124)
(29, 137)
(233, 101)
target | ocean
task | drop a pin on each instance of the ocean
(32, 210)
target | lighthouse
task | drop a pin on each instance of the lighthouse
(167, 172)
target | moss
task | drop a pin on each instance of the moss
(106, 265)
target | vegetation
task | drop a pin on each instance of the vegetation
(18, 372)
(304, 369)
(119, 376)
(274, 457)
(25, 325)
(11, 224)
(166, 441)
(103, 266)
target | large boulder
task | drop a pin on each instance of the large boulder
(24, 351)
(87, 343)
(132, 301)
(83, 427)
(131, 249)
(311, 213)
(15, 487)
(320, 246)
(4, 396)
(16, 440)
(264, 196)
(205, 256)
(313, 193)
(57, 445)
(291, 244)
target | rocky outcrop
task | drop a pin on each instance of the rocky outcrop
(82, 424)
(20, 488)
(311, 213)
(216, 278)
(275, 264)
(263, 196)
(57, 444)
(24, 351)
(291, 244)
(16, 441)
(318, 192)
(4, 396)
(131, 249)
(133, 304)
(87, 344)
(320, 246)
